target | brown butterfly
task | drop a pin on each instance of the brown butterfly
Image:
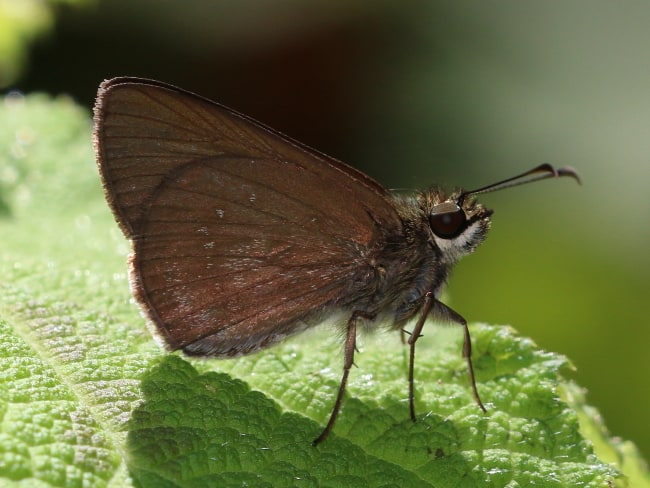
(242, 236)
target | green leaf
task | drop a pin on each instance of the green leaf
(88, 399)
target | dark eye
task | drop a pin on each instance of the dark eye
(447, 220)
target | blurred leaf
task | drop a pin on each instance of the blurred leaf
(88, 399)
(21, 21)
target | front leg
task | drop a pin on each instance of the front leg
(444, 313)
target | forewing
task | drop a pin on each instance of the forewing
(239, 233)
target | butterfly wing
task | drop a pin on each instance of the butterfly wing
(239, 232)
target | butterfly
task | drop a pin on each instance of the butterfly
(243, 237)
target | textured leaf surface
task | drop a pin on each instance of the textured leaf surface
(88, 399)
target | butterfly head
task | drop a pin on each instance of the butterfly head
(458, 224)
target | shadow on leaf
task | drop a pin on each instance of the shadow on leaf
(211, 430)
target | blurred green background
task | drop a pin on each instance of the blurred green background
(421, 92)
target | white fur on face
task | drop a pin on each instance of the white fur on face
(463, 244)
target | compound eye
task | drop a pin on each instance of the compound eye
(447, 220)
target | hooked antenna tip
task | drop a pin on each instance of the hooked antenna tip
(569, 171)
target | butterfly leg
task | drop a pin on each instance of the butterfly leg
(415, 335)
(348, 361)
(441, 312)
